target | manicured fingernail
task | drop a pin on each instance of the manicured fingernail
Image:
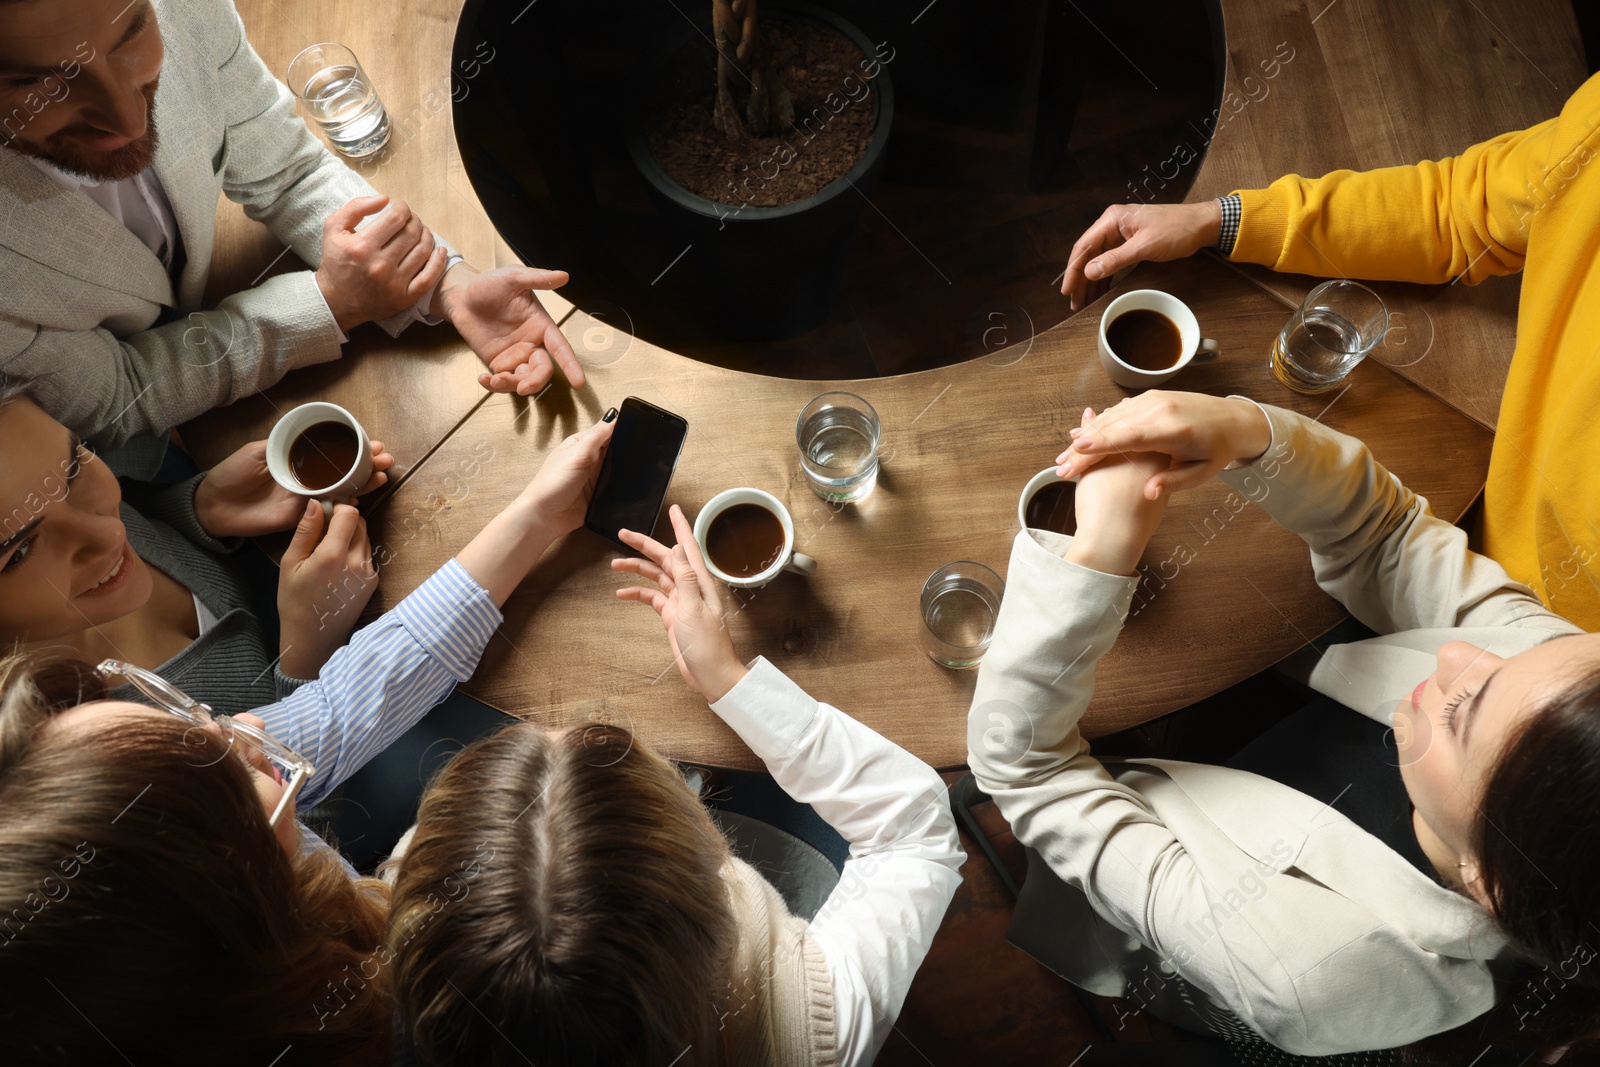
(1083, 444)
(1075, 431)
(610, 414)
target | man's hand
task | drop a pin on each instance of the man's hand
(1133, 233)
(380, 270)
(498, 314)
(686, 598)
(322, 587)
(238, 498)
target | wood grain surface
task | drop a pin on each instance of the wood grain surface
(1364, 89)
(1373, 83)
(958, 445)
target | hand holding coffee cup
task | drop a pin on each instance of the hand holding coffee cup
(239, 498)
(747, 537)
(319, 450)
(1147, 336)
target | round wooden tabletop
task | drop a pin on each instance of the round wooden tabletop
(1226, 592)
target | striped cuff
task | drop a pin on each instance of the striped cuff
(452, 617)
(1231, 214)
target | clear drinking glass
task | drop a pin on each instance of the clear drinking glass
(960, 602)
(838, 438)
(329, 81)
(1331, 331)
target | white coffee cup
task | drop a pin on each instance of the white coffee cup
(788, 559)
(289, 428)
(1194, 348)
(1048, 476)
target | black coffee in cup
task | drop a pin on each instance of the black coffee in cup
(1145, 339)
(1050, 508)
(323, 454)
(744, 540)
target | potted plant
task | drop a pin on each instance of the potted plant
(764, 211)
(736, 29)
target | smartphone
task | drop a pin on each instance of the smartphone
(636, 471)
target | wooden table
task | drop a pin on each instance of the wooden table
(958, 442)
(1374, 83)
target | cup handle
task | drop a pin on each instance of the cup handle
(1206, 351)
(800, 563)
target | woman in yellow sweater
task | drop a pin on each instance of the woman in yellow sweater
(1527, 201)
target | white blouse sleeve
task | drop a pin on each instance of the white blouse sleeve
(905, 856)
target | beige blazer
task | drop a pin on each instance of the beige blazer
(1310, 929)
(80, 295)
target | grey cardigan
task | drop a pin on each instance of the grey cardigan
(1311, 930)
(231, 666)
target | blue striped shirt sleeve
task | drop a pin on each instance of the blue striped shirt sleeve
(392, 672)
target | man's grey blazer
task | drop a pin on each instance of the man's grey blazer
(81, 296)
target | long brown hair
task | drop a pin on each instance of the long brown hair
(1537, 842)
(563, 902)
(148, 912)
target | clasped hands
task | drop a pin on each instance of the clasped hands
(1131, 458)
(378, 258)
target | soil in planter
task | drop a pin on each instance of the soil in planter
(823, 71)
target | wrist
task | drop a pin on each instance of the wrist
(457, 273)
(1254, 432)
(1111, 557)
(722, 680)
(533, 519)
(205, 507)
(298, 657)
(1210, 217)
(345, 318)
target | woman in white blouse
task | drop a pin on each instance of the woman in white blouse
(1210, 891)
(565, 898)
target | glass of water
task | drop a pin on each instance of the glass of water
(329, 81)
(1331, 331)
(960, 602)
(838, 438)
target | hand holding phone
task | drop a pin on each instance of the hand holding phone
(636, 472)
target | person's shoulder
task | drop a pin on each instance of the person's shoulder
(197, 30)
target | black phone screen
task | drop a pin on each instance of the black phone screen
(637, 469)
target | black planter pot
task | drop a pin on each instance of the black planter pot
(765, 273)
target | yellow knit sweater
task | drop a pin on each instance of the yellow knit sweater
(1527, 201)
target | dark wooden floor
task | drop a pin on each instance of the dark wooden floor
(954, 257)
(978, 1000)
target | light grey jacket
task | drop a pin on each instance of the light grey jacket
(1275, 906)
(80, 295)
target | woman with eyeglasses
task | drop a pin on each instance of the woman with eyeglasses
(148, 581)
(1408, 860)
(159, 903)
